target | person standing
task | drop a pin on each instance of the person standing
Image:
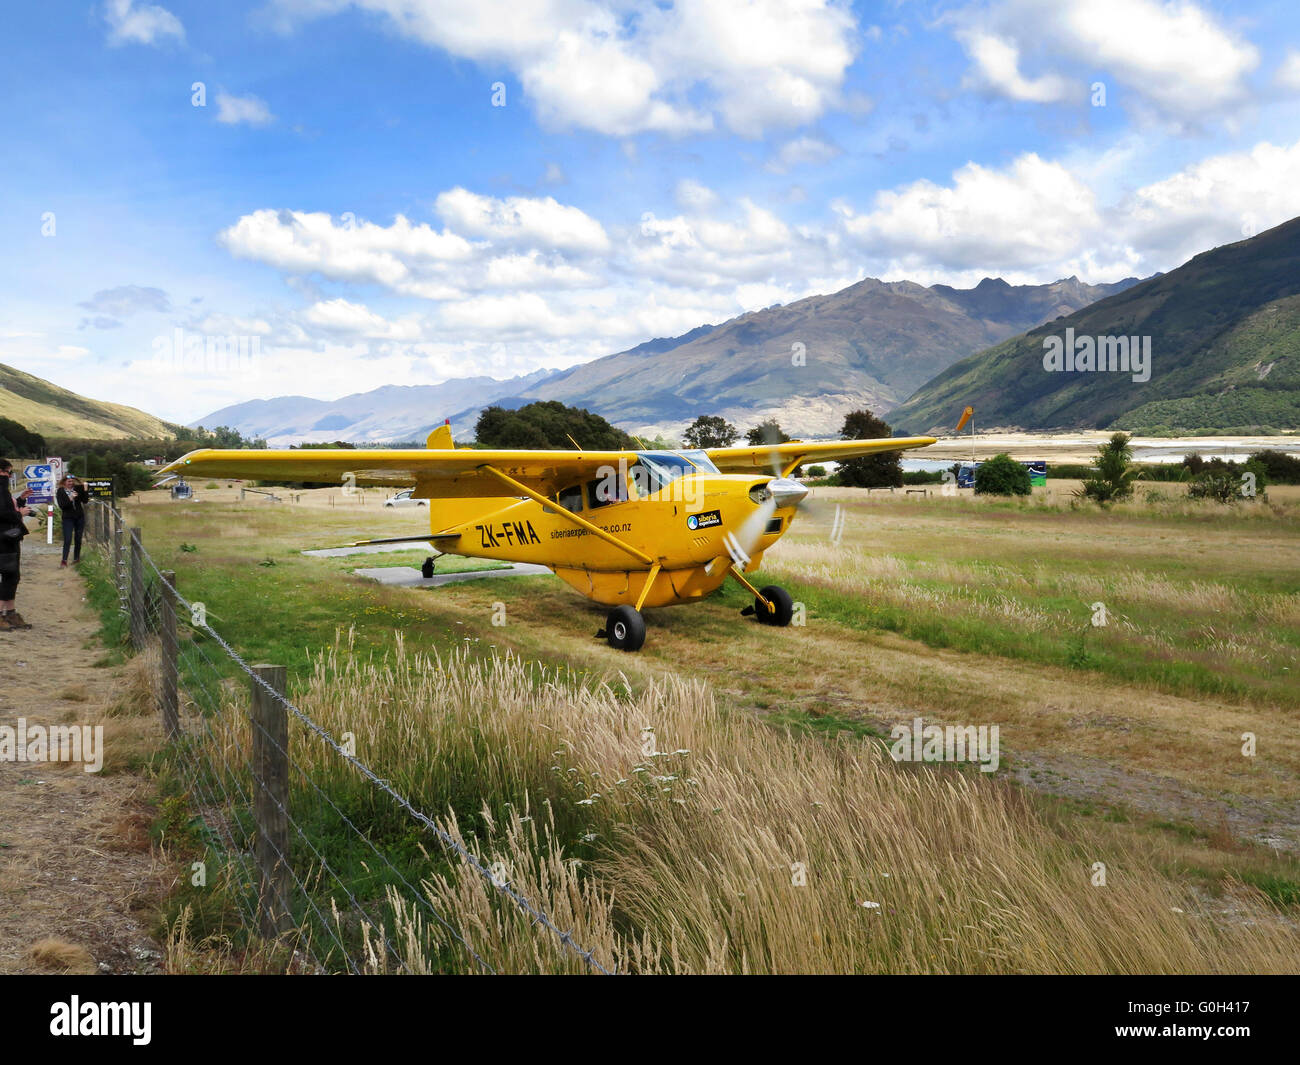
(12, 531)
(72, 498)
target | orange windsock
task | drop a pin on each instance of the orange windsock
(965, 417)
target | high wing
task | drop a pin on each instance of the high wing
(765, 457)
(435, 472)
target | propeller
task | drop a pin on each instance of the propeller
(780, 491)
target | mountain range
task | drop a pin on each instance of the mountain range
(805, 363)
(1223, 331)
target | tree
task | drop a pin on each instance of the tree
(881, 470)
(1002, 476)
(18, 441)
(710, 430)
(1115, 473)
(548, 425)
(768, 432)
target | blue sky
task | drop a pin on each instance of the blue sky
(403, 191)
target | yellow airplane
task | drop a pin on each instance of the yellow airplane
(627, 529)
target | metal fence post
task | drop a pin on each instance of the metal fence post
(169, 696)
(270, 768)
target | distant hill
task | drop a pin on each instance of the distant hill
(1224, 332)
(871, 344)
(53, 411)
(390, 412)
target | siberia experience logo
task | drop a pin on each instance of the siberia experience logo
(1102, 354)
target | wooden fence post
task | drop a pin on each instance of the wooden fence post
(169, 697)
(118, 571)
(270, 768)
(135, 591)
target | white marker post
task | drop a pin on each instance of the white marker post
(56, 480)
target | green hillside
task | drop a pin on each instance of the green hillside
(1224, 332)
(53, 411)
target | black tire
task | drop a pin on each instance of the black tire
(780, 600)
(625, 629)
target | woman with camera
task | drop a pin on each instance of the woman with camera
(12, 531)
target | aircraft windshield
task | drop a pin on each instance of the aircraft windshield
(664, 467)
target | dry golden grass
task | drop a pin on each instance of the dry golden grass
(735, 847)
(61, 956)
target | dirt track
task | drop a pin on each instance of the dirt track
(76, 866)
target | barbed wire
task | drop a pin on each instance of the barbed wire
(537, 916)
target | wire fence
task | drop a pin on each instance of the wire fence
(317, 866)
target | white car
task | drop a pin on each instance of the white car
(403, 499)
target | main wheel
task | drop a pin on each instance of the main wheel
(783, 606)
(625, 629)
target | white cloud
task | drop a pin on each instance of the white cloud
(1178, 61)
(622, 67)
(1014, 219)
(1218, 200)
(519, 220)
(132, 23)
(233, 110)
(997, 64)
(1288, 74)
(343, 317)
(802, 151)
(694, 196)
(305, 243)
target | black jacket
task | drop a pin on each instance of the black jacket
(73, 507)
(10, 519)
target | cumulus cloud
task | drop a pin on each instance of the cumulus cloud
(519, 220)
(635, 66)
(232, 110)
(1037, 219)
(132, 23)
(997, 67)
(312, 242)
(511, 284)
(1178, 61)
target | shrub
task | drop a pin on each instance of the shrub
(1002, 476)
(1115, 473)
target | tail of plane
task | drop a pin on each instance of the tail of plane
(448, 513)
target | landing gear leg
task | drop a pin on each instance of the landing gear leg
(625, 627)
(772, 604)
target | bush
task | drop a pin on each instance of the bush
(1115, 472)
(1278, 466)
(1218, 486)
(1002, 476)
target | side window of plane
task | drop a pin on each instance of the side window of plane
(571, 498)
(606, 490)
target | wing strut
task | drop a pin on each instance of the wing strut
(550, 504)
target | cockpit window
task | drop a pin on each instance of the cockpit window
(701, 460)
(571, 498)
(660, 468)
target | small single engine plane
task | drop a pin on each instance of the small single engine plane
(627, 529)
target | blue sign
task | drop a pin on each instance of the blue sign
(41, 472)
